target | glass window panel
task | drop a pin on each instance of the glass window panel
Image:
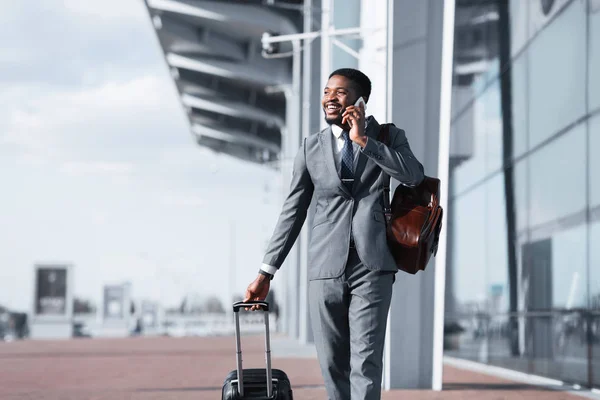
(496, 245)
(477, 139)
(557, 178)
(594, 56)
(519, 105)
(346, 15)
(594, 132)
(555, 278)
(461, 129)
(468, 252)
(569, 268)
(468, 145)
(521, 191)
(557, 74)
(475, 50)
(541, 12)
(556, 347)
(517, 10)
(594, 267)
(490, 122)
(594, 296)
(462, 94)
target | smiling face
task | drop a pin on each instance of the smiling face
(339, 93)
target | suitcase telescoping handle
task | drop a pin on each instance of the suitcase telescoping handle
(238, 346)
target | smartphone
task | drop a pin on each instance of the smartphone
(359, 101)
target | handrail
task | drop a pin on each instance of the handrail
(532, 313)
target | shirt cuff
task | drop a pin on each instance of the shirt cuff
(268, 269)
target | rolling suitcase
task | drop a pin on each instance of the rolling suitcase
(255, 383)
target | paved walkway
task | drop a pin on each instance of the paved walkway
(194, 368)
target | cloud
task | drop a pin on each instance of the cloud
(88, 121)
(93, 168)
(111, 10)
(181, 199)
(72, 42)
(80, 80)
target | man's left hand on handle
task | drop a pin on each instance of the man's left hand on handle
(257, 291)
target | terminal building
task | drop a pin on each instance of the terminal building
(500, 99)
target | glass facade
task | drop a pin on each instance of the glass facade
(523, 279)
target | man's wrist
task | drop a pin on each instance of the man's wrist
(362, 141)
(266, 274)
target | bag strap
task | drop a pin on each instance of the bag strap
(384, 137)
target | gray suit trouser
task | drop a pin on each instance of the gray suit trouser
(349, 316)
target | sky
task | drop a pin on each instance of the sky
(98, 167)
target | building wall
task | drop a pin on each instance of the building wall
(524, 212)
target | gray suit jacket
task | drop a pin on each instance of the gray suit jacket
(338, 210)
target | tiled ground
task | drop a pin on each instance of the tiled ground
(191, 368)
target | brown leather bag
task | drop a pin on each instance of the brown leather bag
(414, 219)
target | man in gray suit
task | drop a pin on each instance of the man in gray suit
(350, 268)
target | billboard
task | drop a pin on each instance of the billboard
(116, 302)
(51, 295)
(150, 314)
(114, 297)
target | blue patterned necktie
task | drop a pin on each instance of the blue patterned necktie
(347, 161)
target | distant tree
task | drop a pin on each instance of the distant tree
(237, 297)
(595, 302)
(213, 305)
(172, 310)
(273, 305)
(82, 306)
(183, 305)
(20, 324)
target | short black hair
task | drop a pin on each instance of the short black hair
(362, 82)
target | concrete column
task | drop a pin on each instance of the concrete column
(415, 85)
(311, 118)
(291, 265)
(326, 24)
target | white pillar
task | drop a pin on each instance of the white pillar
(308, 98)
(443, 175)
(326, 23)
(290, 145)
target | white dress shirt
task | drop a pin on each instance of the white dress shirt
(338, 145)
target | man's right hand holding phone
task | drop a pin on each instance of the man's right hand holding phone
(354, 116)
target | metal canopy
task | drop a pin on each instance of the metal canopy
(234, 98)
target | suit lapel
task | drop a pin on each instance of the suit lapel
(372, 131)
(327, 150)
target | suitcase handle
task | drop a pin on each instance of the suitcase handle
(242, 304)
(238, 345)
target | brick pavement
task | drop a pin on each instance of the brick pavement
(191, 368)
